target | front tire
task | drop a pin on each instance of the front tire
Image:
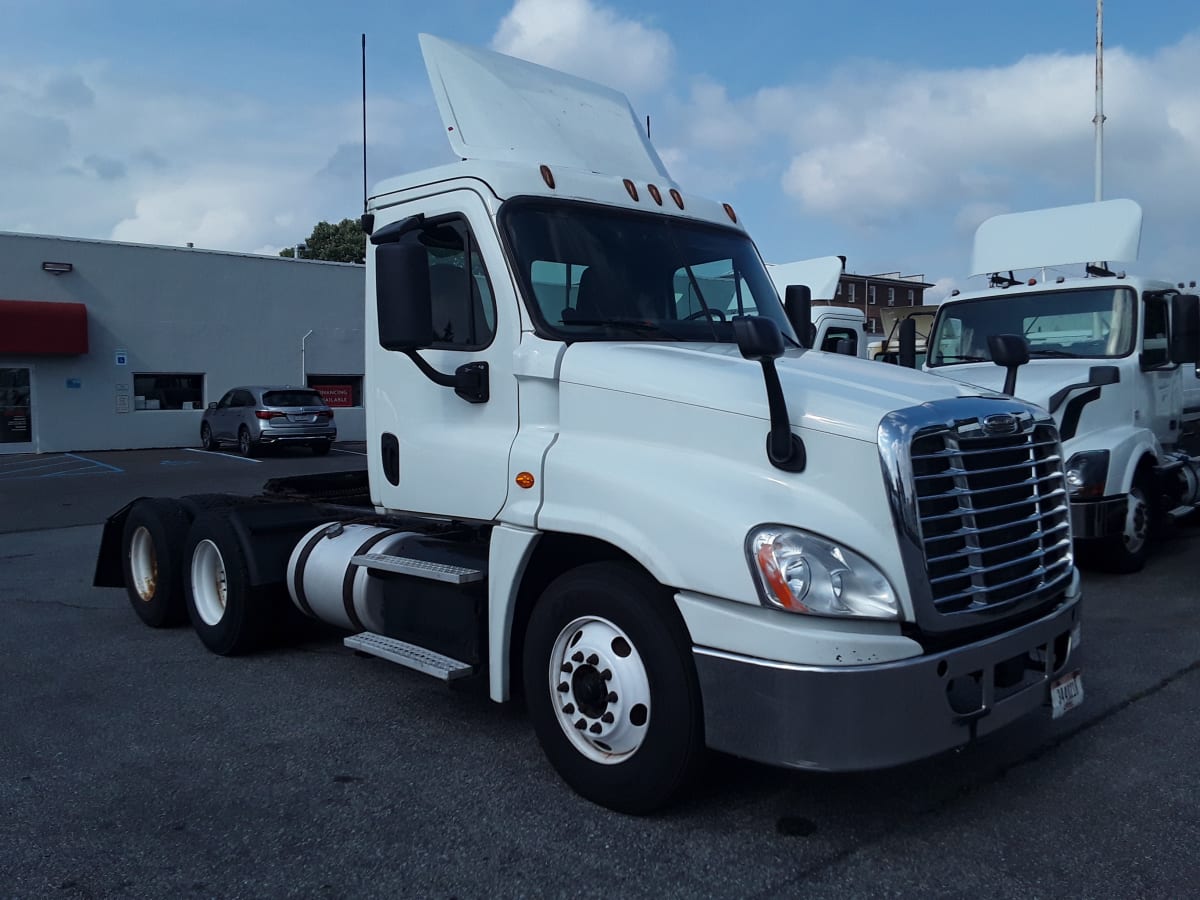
(611, 687)
(152, 548)
(207, 441)
(230, 616)
(1127, 552)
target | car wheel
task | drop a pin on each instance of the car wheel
(230, 615)
(321, 448)
(246, 447)
(152, 546)
(611, 688)
(206, 437)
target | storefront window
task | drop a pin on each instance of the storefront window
(168, 390)
(338, 390)
(16, 413)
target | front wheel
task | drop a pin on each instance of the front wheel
(1126, 552)
(207, 441)
(611, 688)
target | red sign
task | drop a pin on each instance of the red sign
(336, 394)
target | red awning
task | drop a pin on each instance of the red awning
(34, 327)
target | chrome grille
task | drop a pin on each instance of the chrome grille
(991, 515)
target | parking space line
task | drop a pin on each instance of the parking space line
(222, 455)
(30, 469)
(95, 462)
(354, 452)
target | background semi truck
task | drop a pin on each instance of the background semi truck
(1111, 356)
(835, 328)
(604, 473)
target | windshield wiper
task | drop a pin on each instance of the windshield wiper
(638, 326)
(949, 357)
(1058, 354)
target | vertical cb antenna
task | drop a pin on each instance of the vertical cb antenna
(1099, 117)
(367, 221)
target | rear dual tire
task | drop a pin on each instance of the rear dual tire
(154, 532)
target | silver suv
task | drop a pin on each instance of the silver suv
(255, 416)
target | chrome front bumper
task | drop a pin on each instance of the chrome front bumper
(869, 717)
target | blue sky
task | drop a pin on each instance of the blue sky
(878, 130)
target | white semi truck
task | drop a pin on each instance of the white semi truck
(835, 328)
(668, 528)
(1111, 356)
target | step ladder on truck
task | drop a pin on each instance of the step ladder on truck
(624, 508)
(1111, 356)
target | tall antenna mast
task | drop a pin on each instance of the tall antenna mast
(1098, 120)
(364, 123)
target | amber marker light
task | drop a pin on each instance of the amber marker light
(729, 212)
(525, 480)
(677, 197)
(631, 189)
(654, 192)
(547, 176)
(776, 581)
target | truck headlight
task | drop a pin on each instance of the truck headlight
(798, 571)
(1087, 473)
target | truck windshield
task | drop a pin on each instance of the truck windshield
(1086, 323)
(595, 273)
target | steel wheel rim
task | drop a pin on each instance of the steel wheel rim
(210, 588)
(599, 690)
(143, 563)
(1137, 521)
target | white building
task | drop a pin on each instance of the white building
(107, 345)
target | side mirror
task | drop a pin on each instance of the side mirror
(1184, 346)
(212, 405)
(1009, 351)
(1098, 376)
(402, 298)
(844, 346)
(907, 356)
(758, 338)
(797, 303)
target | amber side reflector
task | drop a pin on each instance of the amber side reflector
(631, 189)
(1032, 281)
(729, 212)
(548, 177)
(654, 192)
(525, 480)
(677, 197)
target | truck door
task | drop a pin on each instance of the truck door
(1162, 400)
(430, 450)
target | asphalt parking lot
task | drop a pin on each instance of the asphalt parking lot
(135, 763)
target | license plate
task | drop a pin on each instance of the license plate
(1066, 693)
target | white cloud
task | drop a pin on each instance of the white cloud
(588, 40)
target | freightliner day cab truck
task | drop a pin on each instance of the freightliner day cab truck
(1111, 357)
(667, 529)
(838, 329)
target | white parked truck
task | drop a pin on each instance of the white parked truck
(668, 528)
(1111, 356)
(836, 328)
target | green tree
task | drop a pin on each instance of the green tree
(343, 242)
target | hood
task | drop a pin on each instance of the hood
(1037, 381)
(828, 392)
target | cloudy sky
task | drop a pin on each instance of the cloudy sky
(880, 130)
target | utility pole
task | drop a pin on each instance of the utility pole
(1098, 120)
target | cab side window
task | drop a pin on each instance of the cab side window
(1154, 332)
(464, 309)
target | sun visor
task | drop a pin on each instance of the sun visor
(1108, 231)
(496, 107)
(821, 275)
